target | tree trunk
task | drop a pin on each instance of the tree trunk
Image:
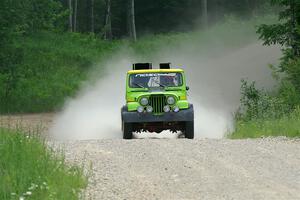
(128, 19)
(252, 7)
(107, 27)
(204, 13)
(131, 20)
(92, 17)
(75, 16)
(217, 10)
(70, 16)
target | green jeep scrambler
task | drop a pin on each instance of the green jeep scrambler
(156, 100)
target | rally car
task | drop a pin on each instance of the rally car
(156, 100)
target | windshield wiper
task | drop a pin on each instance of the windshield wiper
(137, 84)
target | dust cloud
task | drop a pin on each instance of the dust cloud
(95, 112)
(215, 85)
(214, 90)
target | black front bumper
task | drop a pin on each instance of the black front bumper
(135, 117)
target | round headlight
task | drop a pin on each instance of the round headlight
(176, 109)
(140, 109)
(149, 109)
(144, 101)
(170, 100)
(167, 109)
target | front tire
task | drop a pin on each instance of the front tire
(127, 131)
(189, 130)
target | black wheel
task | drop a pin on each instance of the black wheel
(127, 131)
(189, 130)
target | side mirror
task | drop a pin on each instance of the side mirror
(187, 88)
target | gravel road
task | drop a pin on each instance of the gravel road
(190, 169)
(171, 169)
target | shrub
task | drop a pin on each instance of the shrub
(259, 104)
(263, 114)
(287, 125)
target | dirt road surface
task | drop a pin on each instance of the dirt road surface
(185, 169)
(171, 169)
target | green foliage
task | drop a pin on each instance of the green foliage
(286, 33)
(289, 94)
(23, 17)
(293, 70)
(258, 104)
(278, 114)
(263, 114)
(287, 125)
(30, 169)
(52, 68)
(19, 18)
(53, 65)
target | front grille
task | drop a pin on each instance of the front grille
(158, 102)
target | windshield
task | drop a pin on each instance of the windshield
(153, 80)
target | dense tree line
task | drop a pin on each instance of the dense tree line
(112, 18)
(153, 16)
(107, 19)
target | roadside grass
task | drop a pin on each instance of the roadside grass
(30, 169)
(287, 125)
